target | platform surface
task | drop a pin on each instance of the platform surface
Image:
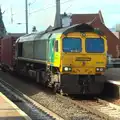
(9, 111)
(113, 76)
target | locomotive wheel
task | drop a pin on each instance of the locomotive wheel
(46, 84)
(45, 78)
(61, 92)
(3, 69)
(55, 87)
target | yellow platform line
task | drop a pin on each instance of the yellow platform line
(116, 82)
(23, 114)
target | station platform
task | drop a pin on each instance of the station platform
(115, 82)
(112, 88)
(9, 111)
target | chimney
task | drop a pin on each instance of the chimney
(57, 23)
(119, 35)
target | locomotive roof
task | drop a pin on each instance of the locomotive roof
(44, 35)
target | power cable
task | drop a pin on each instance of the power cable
(49, 7)
(32, 2)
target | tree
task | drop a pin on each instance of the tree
(34, 29)
(2, 27)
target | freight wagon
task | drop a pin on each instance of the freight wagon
(7, 50)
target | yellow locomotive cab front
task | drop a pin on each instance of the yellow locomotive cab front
(83, 54)
(83, 59)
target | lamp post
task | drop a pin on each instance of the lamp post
(33, 28)
(26, 15)
(57, 23)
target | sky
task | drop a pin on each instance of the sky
(42, 12)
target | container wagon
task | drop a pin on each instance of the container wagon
(7, 50)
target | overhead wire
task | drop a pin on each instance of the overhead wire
(49, 7)
(32, 2)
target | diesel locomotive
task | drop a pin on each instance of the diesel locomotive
(70, 60)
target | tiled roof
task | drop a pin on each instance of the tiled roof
(83, 18)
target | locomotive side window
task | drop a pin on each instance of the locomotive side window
(20, 49)
(56, 46)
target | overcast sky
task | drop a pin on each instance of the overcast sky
(42, 17)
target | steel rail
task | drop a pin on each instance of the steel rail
(99, 107)
(21, 96)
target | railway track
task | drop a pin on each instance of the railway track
(22, 97)
(103, 109)
(97, 107)
(45, 97)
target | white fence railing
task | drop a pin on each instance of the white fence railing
(113, 62)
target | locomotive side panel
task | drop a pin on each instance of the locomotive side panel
(41, 50)
(27, 49)
(34, 48)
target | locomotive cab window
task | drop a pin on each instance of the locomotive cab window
(56, 46)
(94, 45)
(72, 45)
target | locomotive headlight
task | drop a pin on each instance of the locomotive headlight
(70, 68)
(66, 69)
(99, 69)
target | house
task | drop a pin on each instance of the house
(97, 22)
(117, 34)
